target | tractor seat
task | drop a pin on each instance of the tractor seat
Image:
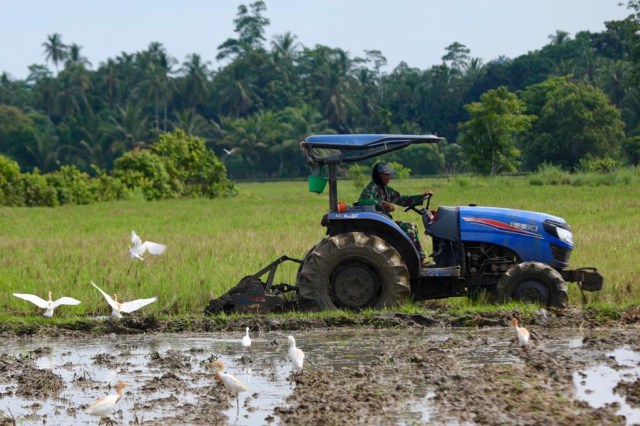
(356, 208)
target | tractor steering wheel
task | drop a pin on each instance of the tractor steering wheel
(424, 210)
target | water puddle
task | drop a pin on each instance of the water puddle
(596, 385)
(90, 368)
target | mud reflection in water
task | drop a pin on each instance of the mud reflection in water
(90, 367)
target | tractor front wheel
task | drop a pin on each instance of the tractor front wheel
(353, 271)
(533, 282)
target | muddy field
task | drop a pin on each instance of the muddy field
(392, 369)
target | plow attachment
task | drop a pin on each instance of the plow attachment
(252, 294)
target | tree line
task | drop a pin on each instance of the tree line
(573, 102)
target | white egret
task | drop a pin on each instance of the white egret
(139, 248)
(103, 406)
(47, 305)
(521, 332)
(295, 355)
(246, 340)
(231, 383)
(230, 151)
(127, 307)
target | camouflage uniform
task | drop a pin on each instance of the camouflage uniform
(374, 194)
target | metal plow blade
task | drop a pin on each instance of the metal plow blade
(253, 295)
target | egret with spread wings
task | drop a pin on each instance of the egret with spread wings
(47, 305)
(117, 308)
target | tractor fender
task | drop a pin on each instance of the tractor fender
(381, 226)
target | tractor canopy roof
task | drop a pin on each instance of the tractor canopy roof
(324, 149)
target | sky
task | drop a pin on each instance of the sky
(414, 31)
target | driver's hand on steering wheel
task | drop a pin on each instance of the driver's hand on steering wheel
(387, 205)
(427, 194)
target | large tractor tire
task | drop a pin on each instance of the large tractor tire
(534, 282)
(354, 271)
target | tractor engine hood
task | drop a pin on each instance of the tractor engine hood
(533, 236)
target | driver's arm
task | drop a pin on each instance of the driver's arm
(404, 200)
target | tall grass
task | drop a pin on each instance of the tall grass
(212, 244)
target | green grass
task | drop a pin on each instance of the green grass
(212, 244)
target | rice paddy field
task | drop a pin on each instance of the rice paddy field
(212, 244)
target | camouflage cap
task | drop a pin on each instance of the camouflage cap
(385, 168)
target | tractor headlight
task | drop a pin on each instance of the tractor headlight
(559, 230)
(565, 235)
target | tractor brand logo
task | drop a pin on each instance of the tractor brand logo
(525, 226)
(513, 228)
(346, 215)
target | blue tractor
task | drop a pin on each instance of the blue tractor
(367, 261)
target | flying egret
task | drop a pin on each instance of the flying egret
(229, 151)
(103, 406)
(139, 248)
(48, 305)
(521, 332)
(295, 355)
(231, 383)
(246, 340)
(127, 307)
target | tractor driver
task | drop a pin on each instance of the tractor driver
(378, 193)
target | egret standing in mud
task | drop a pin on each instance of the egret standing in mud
(103, 406)
(47, 305)
(521, 332)
(232, 384)
(127, 307)
(295, 355)
(246, 341)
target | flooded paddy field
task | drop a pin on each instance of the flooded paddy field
(351, 376)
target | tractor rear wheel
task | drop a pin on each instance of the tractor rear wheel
(354, 271)
(534, 282)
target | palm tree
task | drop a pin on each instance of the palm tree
(74, 87)
(196, 81)
(235, 93)
(285, 47)
(252, 137)
(157, 86)
(74, 56)
(130, 129)
(335, 89)
(559, 38)
(614, 80)
(296, 125)
(54, 49)
(474, 72)
(108, 82)
(191, 123)
(44, 150)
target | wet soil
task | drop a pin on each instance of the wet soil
(537, 390)
(534, 385)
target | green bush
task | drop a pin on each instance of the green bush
(10, 193)
(178, 165)
(597, 165)
(107, 188)
(548, 174)
(145, 171)
(195, 169)
(37, 191)
(71, 185)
